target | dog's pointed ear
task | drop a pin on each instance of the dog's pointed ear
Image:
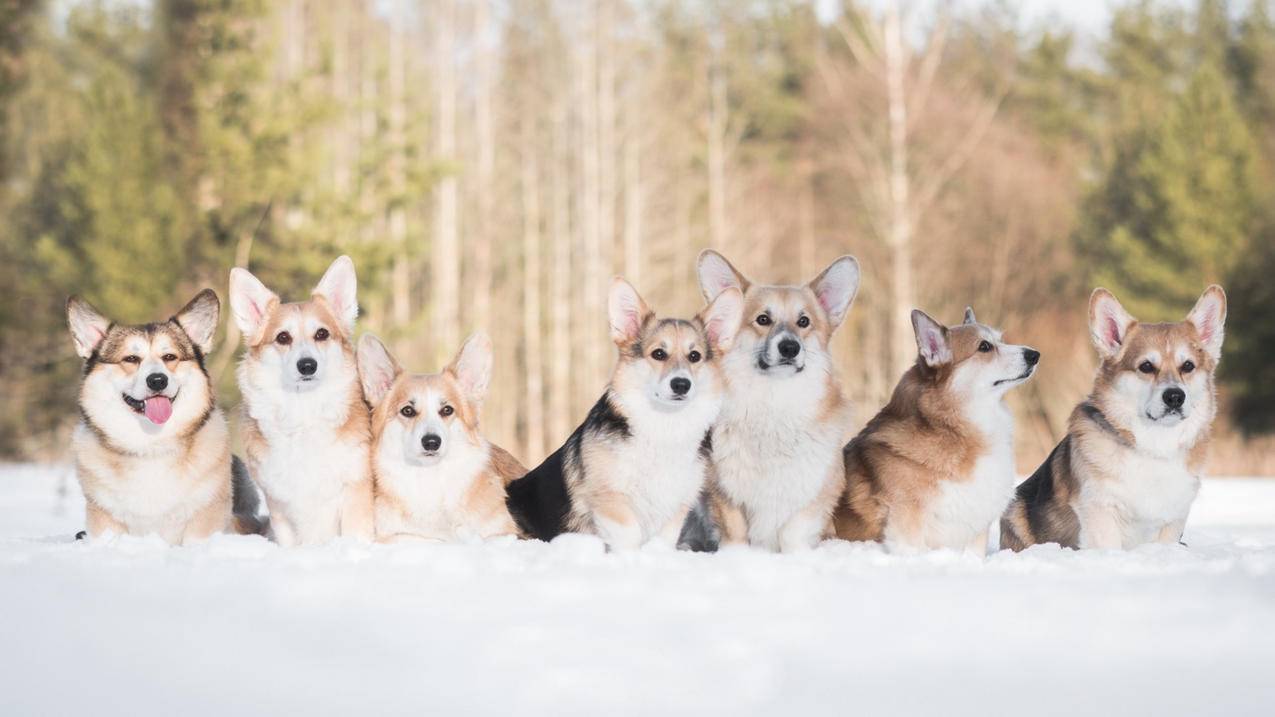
(250, 303)
(970, 318)
(836, 287)
(931, 339)
(339, 287)
(722, 318)
(199, 319)
(377, 369)
(472, 366)
(88, 326)
(1109, 323)
(627, 312)
(717, 275)
(1209, 319)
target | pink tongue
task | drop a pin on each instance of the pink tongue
(158, 408)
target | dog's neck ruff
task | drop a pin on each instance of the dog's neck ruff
(1099, 419)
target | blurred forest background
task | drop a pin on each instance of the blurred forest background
(491, 163)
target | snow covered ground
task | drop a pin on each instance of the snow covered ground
(239, 626)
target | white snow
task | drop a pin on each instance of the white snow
(238, 625)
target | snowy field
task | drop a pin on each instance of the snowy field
(238, 626)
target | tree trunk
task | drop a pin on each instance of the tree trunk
(486, 170)
(902, 341)
(400, 280)
(445, 268)
(534, 408)
(560, 398)
(717, 128)
(588, 197)
(633, 189)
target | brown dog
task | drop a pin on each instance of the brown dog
(1130, 466)
(935, 468)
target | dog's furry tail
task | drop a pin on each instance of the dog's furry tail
(246, 503)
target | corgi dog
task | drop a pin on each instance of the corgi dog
(935, 468)
(306, 429)
(1129, 468)
(632, 471)
(152, 451)
(777, 445)
(436, 477)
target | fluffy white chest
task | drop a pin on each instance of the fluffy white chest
(307, 465)
(433, 497)
(1142, 493)
(771, 452)
(152, 493)
(964, 509)
(659, 466)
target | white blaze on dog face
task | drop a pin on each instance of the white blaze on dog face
(668, 363)
(782, 325)
(146, 381)
(1164, 371)
(298, 346)
(974, 358)
(420, 419)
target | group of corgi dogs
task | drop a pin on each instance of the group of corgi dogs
(726, 428)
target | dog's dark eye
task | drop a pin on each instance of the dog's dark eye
(1188, 367)
(132, 359)
(659, 355)
(408, 411)
(984, 346)
(763, 320)
(694, 356)
(321, 335)
(803, 322)
(169, 358)
(1146, 367)
(283, 337)
(446, 411)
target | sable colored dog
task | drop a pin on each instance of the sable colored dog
(436, 477)
(778, 471)
(306, 428)
(633, 470)
(1129, 467)
(935, 468)
(152, 452)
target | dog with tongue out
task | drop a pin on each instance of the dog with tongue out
(152, 451)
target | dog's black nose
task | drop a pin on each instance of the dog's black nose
(1174, 397)
(681, 386)
(157, 382)
(1031, 356)
(431, 442)
(307, 366)
(789, 348)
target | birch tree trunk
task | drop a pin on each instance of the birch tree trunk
(633, 188)
(560, 280)
(445, 266)
(531, 280)
(400, 281)
(717, 128)
(902, 343)
(588, 198)
(484, 123)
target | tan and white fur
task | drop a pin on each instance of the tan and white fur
(306, 428)
(935, 468)
(777, 444)
(1129, 468)
(152, 451)
(437, 477)
(633, 470)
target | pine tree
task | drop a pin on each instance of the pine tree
(1175, 213)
